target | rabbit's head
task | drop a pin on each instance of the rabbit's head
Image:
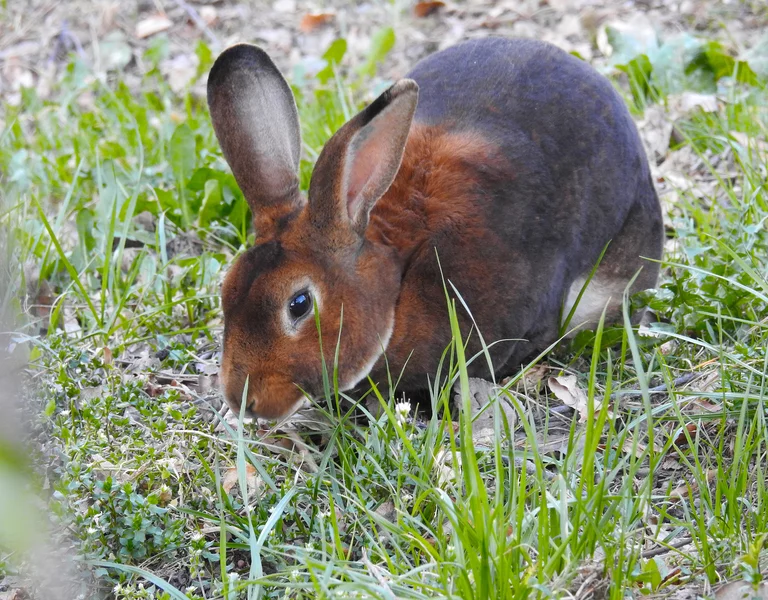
(312, 256)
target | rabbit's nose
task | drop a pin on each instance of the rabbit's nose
(249, 413)
(235, 402)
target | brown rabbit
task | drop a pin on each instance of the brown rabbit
(511, 161)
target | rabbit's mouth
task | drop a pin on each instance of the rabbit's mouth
(265, 398)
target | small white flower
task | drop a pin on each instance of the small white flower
(402, 410)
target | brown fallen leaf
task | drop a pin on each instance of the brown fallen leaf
(567, 390)
(680, 439)
(152, 25)
(535, 374)
(424, 9)
(704, 404)
(387, 511)
(639, 448)
(231, 478)
(483, 393)
(692, 485)
(311, 22)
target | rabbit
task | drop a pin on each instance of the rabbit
(497, 169)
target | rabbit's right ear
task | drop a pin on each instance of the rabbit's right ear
(255, 119)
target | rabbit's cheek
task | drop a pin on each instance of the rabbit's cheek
(379, 345)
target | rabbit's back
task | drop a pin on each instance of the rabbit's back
(523, 165)
(575, 163)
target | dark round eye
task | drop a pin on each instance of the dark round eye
(300, 305)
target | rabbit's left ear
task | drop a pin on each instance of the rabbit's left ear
(360, 161)
(255, 120)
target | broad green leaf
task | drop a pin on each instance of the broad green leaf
(332, 57)
(638, 72)
(158, 50)
(381, 43)
(182, 155)
(212, 204)
(204, 57)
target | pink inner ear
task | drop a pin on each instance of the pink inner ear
(365, 161)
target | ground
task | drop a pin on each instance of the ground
(629, 462)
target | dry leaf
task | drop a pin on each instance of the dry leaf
(483, 425)
(680, 439)
(655, 130)
(687, 102)
(107, 18)
(668, 347)
(446, 474)
(534, 375)
(284, 6)
(310, 23)
(164, 495)
(115, 51)
(152, 25)
(386, 510)
(567, 390)
(681, 491)
(704, 405)
(751, 143)
(424, 9)
(231, 478)
(639, 448)
(208, 14)
(741, 590)
(180, 71)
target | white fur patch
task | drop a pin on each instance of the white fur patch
(363, 373)
(599, 294)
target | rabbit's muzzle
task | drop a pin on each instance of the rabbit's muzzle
(267, 396)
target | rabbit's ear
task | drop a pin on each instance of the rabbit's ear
(255, 119)
(359, 163)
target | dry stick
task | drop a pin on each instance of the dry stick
(677, 382)
(667, 548)
(199, 22)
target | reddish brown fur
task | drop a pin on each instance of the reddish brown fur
(434, 189)
(435, 185)
(531, 167)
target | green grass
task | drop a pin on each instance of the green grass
(389, 506)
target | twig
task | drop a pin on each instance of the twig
(200, 23)
(660, 389)
(666, 548)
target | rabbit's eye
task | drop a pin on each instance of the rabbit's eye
(300, 305)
